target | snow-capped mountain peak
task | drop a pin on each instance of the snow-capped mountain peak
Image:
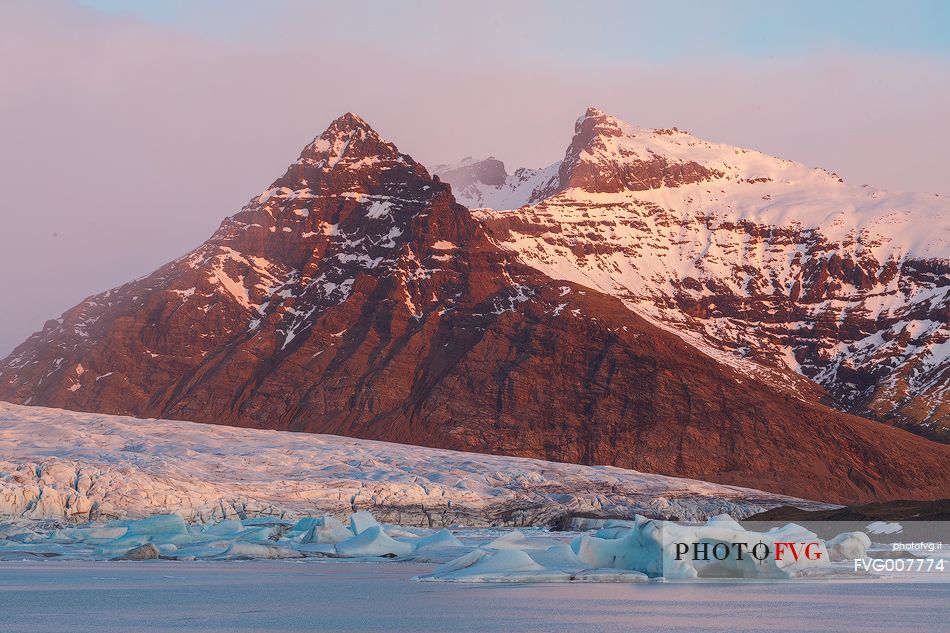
(597, 121)
(349, 144)
(760, 258)
(347, 127)
(470, 171)
(608, 156)
(487, 184)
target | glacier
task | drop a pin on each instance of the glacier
(91, 487)
(62, 467)
(80, 486)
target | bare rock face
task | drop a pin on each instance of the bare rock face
(600, 161)
(356, 297)
(784, 272)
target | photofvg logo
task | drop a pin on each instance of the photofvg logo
(708, 558)
(707, 551)
(724, 549)
(915, 557)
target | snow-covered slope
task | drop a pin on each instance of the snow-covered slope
(486, 183)
(80, 466)
(764, 263)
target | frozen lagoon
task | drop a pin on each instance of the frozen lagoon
(321, 595)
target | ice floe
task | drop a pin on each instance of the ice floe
(635, 551)
(622, 551)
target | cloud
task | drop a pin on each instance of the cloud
(127, 141)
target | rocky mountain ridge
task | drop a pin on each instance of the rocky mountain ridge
(769, 265)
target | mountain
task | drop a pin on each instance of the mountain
(355, 297)
(777, 269)
(486, 183)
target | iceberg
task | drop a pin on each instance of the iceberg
(362, 520)
(440, 540)
(327, 529)
(619, 551)
(247, 551)
(634, 551)
(373, 541)
(848, 546)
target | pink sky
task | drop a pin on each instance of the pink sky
(126, 141)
